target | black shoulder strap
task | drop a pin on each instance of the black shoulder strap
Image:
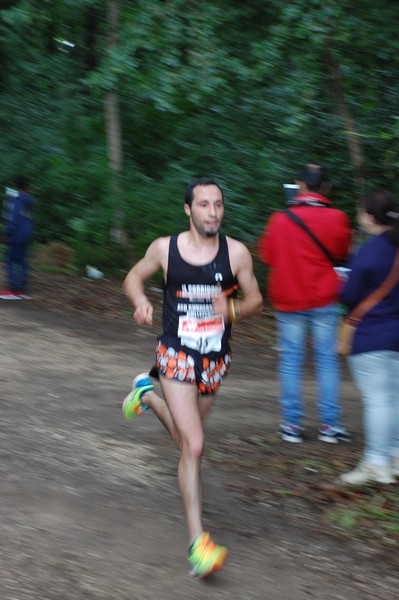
(223, 243)
(301, 224)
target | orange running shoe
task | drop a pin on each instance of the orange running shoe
(206, 557)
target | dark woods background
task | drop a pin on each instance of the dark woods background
(111, 107)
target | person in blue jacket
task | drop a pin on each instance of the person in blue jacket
(374, 361)
(18, 232)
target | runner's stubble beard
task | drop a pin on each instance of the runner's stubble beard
(201, 229)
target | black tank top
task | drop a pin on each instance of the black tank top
(188, 315)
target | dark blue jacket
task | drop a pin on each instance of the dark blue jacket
(17, 215)
(379, 328)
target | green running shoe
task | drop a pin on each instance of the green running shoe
(206, 557)
(132, 404)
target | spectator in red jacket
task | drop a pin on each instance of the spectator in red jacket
(303, 288)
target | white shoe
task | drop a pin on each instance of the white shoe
(395, 465)
(367, 473)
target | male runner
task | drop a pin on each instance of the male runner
(202, 272)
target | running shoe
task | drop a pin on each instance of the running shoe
(291, 433)
(9, 295)
(333, 435)
(23, 295)
(206, 557)
(132, 404)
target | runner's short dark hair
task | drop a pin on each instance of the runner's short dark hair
(189, 193)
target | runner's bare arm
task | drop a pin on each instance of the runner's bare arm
(242, 267)
(154, 259)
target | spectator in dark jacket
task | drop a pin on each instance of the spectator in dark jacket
(374, 361)
(17, 215)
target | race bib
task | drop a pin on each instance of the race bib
(204, 335)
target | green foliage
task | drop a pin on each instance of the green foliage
(242, 92)
(110, 258)
(374, 517)
(345, 519)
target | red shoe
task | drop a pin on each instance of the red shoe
(9, 295)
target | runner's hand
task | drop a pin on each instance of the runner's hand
(220, 306)
(143, 313)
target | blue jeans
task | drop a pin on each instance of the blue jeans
(292, 330)
(377, 376)
(17, 267)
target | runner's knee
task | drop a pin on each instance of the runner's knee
(192, 447)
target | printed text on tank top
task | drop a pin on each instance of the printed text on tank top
(193, 287)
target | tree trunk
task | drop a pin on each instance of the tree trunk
(114, 141)
(114, 135)
(352, 137)
(112, 116)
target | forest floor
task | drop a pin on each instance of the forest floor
(89, 503)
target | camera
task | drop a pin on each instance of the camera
(290, 191)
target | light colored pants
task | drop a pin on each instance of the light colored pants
(292, 331)
(377, 376)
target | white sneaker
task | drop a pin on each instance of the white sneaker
(367, 473)
(395, 465)
(291, 433)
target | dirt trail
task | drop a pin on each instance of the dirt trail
(90, 508)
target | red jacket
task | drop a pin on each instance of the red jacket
(301, 276)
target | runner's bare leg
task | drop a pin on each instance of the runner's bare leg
(160, 408)
(183, 403)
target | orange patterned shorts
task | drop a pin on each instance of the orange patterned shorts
(206, 371)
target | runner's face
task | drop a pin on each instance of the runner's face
(207, 210)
